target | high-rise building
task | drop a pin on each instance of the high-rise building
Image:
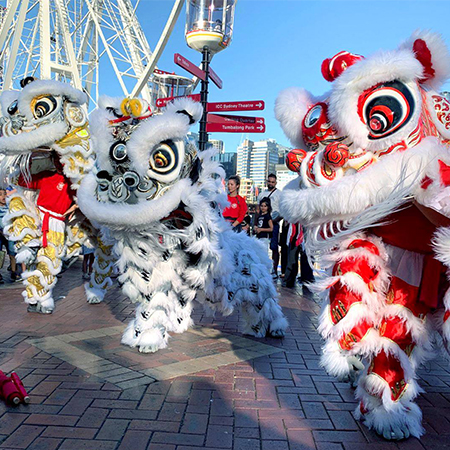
(217, 145)
(255, 160)
(284, 175)
(228, 161)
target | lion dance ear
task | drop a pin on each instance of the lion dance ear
(291, 107)
(430, 50)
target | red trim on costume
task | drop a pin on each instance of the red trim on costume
(390, 370)
(341, 300)
(426, 182)
(423, 55)
(403, 294)
(395, 329)
(444, 172)
(45, 224)
(407, 229)
(354, 336)
(446, 315)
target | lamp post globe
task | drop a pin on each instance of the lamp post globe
(209, 23)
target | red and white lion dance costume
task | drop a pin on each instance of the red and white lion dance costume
(377, 153)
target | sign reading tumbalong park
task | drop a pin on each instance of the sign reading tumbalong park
(235, 127)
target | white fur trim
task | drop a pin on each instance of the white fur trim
(353, 194)
(440, 57)
(51, 87)
(291, 107)
(44, 136)
(118, 215)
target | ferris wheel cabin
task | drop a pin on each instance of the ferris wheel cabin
(165, 84)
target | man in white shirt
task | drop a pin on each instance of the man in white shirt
(273, 194)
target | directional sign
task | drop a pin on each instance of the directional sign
(161, 102)
(236, 127)
(226, 118)
(235, 106)
(215, 78)
(190, 67)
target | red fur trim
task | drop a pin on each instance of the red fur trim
(403, 294)
(426, 182)
(423, 55)
(390, 370)
(446, 315)
(395, 329)
(348, 341)
(333, 67)
(444, 172)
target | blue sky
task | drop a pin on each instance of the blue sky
(282, 43)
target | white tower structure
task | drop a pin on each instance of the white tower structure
(71, 40)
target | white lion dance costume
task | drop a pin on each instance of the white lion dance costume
(45, 139)
(375, 143)
(157, 196)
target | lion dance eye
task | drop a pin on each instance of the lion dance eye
(386, 108)
(12, 108)
(44, 106)
(118, 152)
(164, 158)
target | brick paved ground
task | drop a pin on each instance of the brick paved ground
(212, 388)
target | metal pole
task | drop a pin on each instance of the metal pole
(203, 135)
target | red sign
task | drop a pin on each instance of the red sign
(236, 127)
(215, 78)
(235, 106)
(190, 67)
(225, 118)
(161, 102)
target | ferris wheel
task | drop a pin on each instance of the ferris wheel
(70, 40)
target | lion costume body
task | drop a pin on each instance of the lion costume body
(375, 144)
(46, 143)
(159, 198)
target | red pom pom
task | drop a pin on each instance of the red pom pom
(294, 159)
(336, 154)
(333, 67)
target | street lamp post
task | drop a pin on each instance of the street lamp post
(209, 29)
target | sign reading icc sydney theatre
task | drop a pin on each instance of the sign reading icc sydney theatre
(223, 123)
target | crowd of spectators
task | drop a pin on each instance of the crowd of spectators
(285, 240)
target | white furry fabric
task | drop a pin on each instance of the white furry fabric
(406, 165)
(353, 194)
(165, 267)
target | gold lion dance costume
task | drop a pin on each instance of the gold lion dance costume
(45, 140)
(370, 154)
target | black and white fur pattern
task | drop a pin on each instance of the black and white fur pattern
(164, 266)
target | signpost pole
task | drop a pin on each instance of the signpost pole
(203, 135)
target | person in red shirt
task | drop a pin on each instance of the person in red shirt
(55, 201)
(235, 213)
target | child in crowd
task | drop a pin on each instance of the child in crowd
(264, 227)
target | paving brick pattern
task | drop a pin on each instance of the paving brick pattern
(272, 396)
